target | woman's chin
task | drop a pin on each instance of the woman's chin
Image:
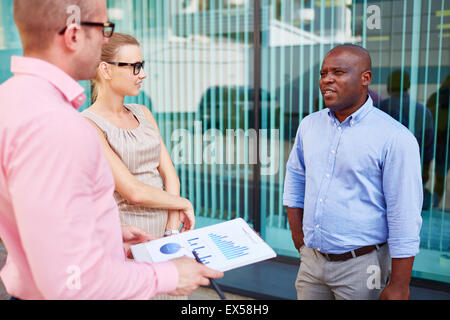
(134, 93)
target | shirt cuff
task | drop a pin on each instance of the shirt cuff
(167, 275)
(293, 203)
(403, 249)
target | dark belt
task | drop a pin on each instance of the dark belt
(351, 254)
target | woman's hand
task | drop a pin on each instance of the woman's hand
(187, 216)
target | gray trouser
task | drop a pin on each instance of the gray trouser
(360, 278)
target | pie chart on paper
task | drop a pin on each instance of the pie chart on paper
(170, 248)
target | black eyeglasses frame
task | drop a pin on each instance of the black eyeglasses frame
(137, 66)
(95, 24)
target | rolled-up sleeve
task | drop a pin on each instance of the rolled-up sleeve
(294, 184)
(402, 186)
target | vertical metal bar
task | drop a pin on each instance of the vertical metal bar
(154, 64)
(264, 68)
(402, 81)
(205, 203)
(212, 66)
(145, 45)
(190, 82)
(205, 116)
(138, 28)
(301, 73)
(256, 90)
(272, 89)
(441, 25)
(415, 49)
(238, 121)
(438, 81)
(435, 123)
(221, 114)
(197, 136)
(380, 52)
(364, 33)
(279, 207)
(353, 19)
(282, 115)
(162, 11)
(155, 61)
(184, 93)
(312, 55)
(174, 20)
(229, 125)
(246, 110)
(444, 193)
(321, 48)
(332, 20)
(425, 87)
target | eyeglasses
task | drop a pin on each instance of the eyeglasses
(108, 28)
(136, 66)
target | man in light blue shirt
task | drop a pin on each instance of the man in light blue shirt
(353, 183)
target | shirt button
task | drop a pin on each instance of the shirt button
(321, 200)
(317, 226)
(339, 128)
(328, 175)
(333, 151)
(352, 122)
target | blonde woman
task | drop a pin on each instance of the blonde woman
(147, 186)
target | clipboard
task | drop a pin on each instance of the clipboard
(223, 246)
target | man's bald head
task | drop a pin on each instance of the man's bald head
(345, 77)
(39, 21)
(363, 57)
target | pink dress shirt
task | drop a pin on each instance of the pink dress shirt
(59, 221)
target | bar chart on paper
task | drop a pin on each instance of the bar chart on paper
(228, 248)
(223, 246)
(201, 250)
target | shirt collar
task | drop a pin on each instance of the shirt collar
(71, 90)
(358, 115)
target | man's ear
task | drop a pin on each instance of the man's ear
(73, 37)
(104, 70)
(366, 78)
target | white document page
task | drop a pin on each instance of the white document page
(223, 246)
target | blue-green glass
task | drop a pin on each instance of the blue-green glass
(200, 84)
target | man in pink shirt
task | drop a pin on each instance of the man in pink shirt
(58, 218)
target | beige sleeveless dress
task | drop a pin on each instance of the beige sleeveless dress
(140, 150)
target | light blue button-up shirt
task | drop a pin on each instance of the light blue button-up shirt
(359, 182)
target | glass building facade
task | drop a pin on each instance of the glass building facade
(230, 80)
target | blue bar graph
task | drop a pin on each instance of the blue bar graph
(198, 250)
(228, 248)
(193, 242)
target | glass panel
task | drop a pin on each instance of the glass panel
(9, 39)
(200, 88)
(411, 82)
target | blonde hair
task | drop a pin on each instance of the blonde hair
(39, 21)
(109, 53)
